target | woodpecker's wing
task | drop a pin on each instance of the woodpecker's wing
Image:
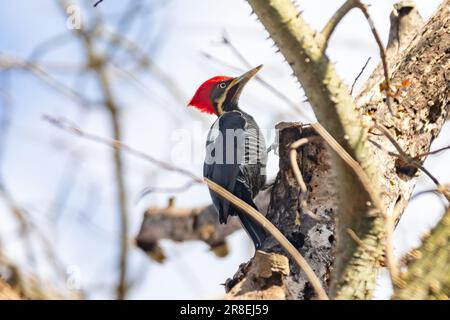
(224, 156)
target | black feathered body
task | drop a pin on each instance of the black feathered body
(236, 160)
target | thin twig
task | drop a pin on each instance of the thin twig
(335, 19)
(97, 3)
(352, 163)
(68, 126)
(355, 237)
(358, 240)
(9, 62)
(403, 155)
(221, 62)
(390, 220)
(431, 152)
(439, 192)
(226, 40)
(359, 74)
(27, 227)
(96, 62)
(183, 188)
(379, 42)
(144, 61)
(298, 175)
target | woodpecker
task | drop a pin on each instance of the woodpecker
(235, 148)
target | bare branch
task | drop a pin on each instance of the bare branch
(97, 2)
(180, 224)
(298, 175)
(9, 62)
(387, 85)
(226, 40)
(335, 19)
(359, 74)
(403, 155)
(70, 127)
(431, 152)
(150, 189)
(97, 63)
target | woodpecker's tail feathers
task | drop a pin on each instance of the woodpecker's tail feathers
(255, 231)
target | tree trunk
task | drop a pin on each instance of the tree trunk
(428, 275)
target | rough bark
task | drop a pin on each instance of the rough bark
(263, 277)
(313, 238)
(405, 21)
(420, 110)
(428, 275)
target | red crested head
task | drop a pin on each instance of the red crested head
(202, 99)
(221, 94)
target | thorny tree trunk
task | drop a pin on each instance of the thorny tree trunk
(420, 110)
(429, 269)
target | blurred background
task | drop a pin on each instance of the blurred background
(126, 69)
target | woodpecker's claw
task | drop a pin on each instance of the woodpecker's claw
(274, 146)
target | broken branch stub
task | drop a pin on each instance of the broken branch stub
(179, 224)
(312, 237)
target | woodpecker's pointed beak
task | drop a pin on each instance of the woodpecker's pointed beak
(238, 83)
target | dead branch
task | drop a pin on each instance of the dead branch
(272, 268)
(336, 19)
(179, 224)
(71, 127)
(384, 62)
(359, 75)
(9, 62)
(278, 93)
(298, 175)
(405, 23)
(406, 158)
(97, 3)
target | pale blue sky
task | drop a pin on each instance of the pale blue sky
(37, 154)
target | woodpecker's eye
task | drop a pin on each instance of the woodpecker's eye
(222, 85)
